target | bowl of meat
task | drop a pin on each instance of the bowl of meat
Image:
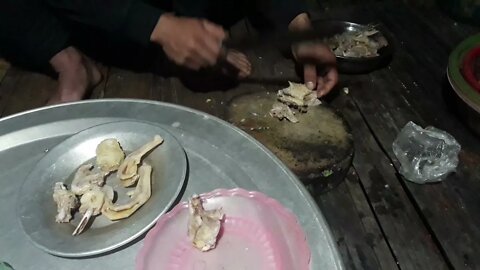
(359, 48)
(101, 188)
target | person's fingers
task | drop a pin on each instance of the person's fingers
(330, 80)
(320, 86)
(310, 76)
(243, 69)
(317, 54)
(242, 58)
(240, 62)
(215, 30)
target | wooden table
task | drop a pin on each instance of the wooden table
(379, 220)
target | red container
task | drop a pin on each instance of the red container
(469, 68)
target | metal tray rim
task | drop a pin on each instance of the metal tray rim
(318, 214)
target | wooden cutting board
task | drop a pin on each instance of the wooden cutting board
(318, 149)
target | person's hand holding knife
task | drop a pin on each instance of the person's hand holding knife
(197, 44)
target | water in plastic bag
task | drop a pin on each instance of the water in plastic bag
(426, 155)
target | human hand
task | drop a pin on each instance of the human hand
(189, 42)
(319, 70)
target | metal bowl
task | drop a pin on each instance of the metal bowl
(36, 209)
(350, 65)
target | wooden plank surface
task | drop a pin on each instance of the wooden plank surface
(454, 218)
(449, 31)
(359, 238)
(437, 204)
(407, 235)
(207, 101)
(4, 94)
(411, 89)
(128, 84)
(24, 90)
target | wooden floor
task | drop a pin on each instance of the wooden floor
(379, 220)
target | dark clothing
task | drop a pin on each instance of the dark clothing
(33, 31)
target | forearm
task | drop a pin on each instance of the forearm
(164, 24)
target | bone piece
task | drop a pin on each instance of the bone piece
(66, 202)
(91, 204)
(203, 225)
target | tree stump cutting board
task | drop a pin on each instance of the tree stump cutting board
(318, 149)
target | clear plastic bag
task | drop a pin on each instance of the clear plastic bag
(426, 155)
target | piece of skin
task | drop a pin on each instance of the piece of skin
(296, 90)
(314, 55)
(203, 225)
(66, 202)
(141, 194)
(85, 179)
(298, 95)
(127, 172)
(282, 111)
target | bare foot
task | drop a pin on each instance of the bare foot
(76, 75)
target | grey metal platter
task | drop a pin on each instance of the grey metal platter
(219, 156)
(37, 210)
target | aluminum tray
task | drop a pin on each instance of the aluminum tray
(219, 155)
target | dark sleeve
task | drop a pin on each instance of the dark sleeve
(30, 35)
(133, 19)
(276, 15)
(140, 21)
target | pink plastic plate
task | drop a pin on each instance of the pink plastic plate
(257, 233)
